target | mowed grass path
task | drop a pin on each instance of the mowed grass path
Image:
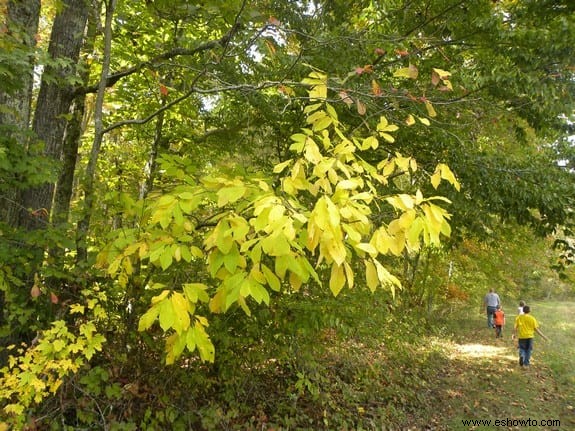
(483, 380)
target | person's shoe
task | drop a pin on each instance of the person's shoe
(521, 361)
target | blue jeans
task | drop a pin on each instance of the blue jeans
(490, 311)
(525, 349)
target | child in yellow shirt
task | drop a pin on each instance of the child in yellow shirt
(525, 327)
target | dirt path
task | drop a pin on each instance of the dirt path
(483, 380)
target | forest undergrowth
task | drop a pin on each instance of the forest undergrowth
(381, 370)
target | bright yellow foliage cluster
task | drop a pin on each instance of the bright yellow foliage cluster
(322, 219)
(36, 372)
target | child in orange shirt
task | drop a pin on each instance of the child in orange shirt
(498, 321)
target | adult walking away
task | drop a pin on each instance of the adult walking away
(525, 327)
(491, 302)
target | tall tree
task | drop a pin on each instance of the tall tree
(18, 40)
(59, 81)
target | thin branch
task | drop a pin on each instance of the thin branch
(188, 94)
(112, 79)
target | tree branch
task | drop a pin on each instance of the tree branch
(112, 79)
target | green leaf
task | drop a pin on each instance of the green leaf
(272, 280)
(166, 258)
(229, 195)
(166, 314)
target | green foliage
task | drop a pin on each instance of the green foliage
(21, 164)
(253, 238)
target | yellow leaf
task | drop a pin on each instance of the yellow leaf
(167, 315)
(322, 124)
(196, 292)
(361, 108)
(77, 308)
(436, 179)
(402, 162)
(381, 240)
(424, 120)
(203, 343)
(218, 301)
(370, 142)
(410, 72)
(397, 243)
(410, 120)
(368, 248)
(442, 74)
(281, 166)
(407, 200)
(148, 318)
(272, 280)
(349, 274)
(371, 276)
(448, 175)
(259, 293)
(387, 137)
(312, 153)
(386, 278)
(414, 232)
(430, 109)
(331, 112)
(294, 281)
(181, 311)
(160, 297)
(318, 92)
(336, 250)
(337, 279)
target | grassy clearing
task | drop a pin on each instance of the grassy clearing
(404, 374)
(485, 382)
(403, 381)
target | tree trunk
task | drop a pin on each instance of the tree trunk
(150, 168)
(73, 134)
(21, 26)
(54, 102)
(90, 174)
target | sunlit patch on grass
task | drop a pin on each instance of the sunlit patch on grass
(565, 326)
(482, 351)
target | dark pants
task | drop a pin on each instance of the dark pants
(498, 329)
(525, 349)
(490, 311)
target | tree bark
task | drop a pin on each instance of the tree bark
(54, 102)
(73, 133)
(21, 25)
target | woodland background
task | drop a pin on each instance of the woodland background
(198, 199)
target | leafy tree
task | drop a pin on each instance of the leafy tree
(177, 114)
